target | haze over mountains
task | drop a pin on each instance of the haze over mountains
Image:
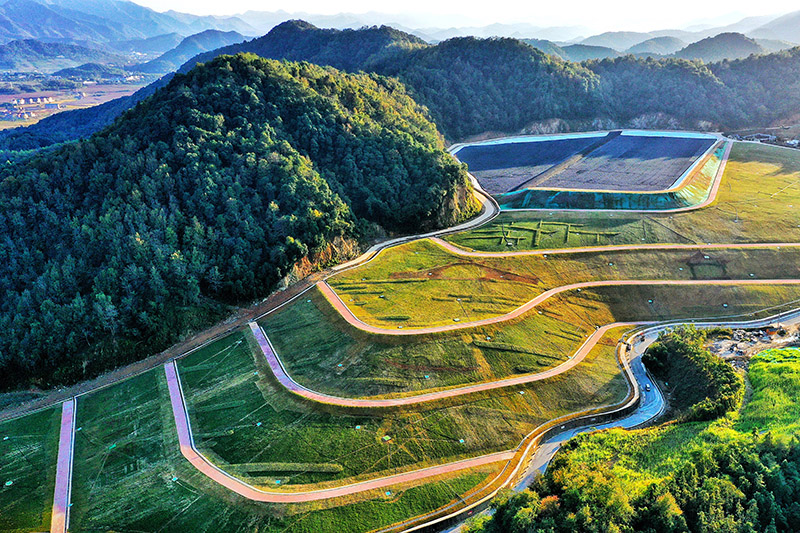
(125, 24)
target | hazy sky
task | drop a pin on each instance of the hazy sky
(596, 14)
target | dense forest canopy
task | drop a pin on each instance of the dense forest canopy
(471, 86)
(208, 192)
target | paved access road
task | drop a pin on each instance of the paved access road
(63, 490)
(450, 247)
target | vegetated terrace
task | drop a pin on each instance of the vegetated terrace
(421, 284)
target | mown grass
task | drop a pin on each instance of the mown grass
(28, 452)
(261, 423)
(757, 202)
(130, 425)
(436, 287)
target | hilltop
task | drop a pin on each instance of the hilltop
(722, 46)
(208, 193)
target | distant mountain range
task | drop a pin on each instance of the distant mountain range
(188, 48)
(124, 22)
(28, 55)
(102, 21)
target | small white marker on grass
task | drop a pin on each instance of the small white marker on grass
(461, 441)
(9, 483)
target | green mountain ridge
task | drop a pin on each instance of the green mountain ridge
(207, 193)
(468, 91)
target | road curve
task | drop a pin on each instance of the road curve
(348, 315)
(59, 521)
(450, 247)
(489, 210)
(288, 383)
(201, 463)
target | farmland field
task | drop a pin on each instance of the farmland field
(28, 448)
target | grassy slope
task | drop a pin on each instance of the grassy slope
(421, 284)
(644, 456)
(757, 202)
(28, 449)
(313, 340)
(124, 460)
(224, 375)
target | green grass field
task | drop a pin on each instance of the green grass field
(28, 451)
(757, 202)
(421, 284)
(313, 341)
(248, 425)
(642, 457)
(130, 476)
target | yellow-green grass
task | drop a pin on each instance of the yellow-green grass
(313, 340)
(246, 423)
(775, 406)
(757, 201)
(641, 457)
(129, 475)
(421, 284)
(322, 351)
(28, 451)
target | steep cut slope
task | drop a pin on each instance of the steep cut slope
(723, 46)
(210, 191)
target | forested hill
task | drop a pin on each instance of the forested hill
(209, 191)
(297, 40)
(475, 85)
